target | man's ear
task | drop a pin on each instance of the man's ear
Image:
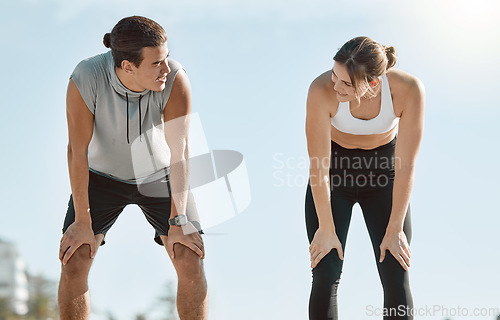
(128, 67)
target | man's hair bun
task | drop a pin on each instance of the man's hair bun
(107, 40)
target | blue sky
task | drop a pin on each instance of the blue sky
(250, 64)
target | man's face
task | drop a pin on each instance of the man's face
(152, 72)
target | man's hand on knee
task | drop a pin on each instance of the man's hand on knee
(76, 235)
(191, 240)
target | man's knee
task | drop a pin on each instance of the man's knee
(187, 262)
(79, 263)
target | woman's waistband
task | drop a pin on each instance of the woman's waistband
(389, 145)
(380, 158)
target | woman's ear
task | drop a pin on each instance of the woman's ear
(374, 82)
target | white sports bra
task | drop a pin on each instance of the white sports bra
(383, 122)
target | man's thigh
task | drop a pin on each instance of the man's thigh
(107, 199)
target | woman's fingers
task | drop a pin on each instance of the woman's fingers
(382, 253)
(340, 252)
(400, 255)
(406, 250)
(402, 262)
(318, 254)
(314, 255)
(405, 254)
(317, 259)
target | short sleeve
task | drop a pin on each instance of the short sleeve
(174, 68)
(85, 78)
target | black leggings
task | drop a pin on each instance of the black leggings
(365, 177)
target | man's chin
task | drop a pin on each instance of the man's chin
(158, 88)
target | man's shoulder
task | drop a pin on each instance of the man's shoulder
(174, 65)
(98, 64)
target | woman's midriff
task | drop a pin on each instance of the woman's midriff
(353, 141)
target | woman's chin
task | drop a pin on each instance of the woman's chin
(343, 97)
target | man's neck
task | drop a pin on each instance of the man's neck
(127, 80)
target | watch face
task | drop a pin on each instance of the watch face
(180, 220)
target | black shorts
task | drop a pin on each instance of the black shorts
(108, 198)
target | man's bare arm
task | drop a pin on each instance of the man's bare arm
(176, 125)
(80, 130)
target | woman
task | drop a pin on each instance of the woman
(352, 122)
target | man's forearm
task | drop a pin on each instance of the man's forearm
(179, 182)
(78, 167)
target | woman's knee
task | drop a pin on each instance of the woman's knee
(328, 270)
(394, 279)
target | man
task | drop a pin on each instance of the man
(117, 104)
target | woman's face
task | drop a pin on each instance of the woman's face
(342, 83)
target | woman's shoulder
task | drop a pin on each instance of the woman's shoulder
(321, 98)
(322, 80)
(407, 91)
(322, 87)
(402, 82)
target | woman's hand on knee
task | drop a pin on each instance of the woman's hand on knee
(323, 242)
(398, 246)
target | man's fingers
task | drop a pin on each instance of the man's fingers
(197, 235)
(62, 250)
(194, 248)
(170, 249)
(198, 243)
(198, 239)
(68, 254)
(202, 248)
(63, 244)
(92, 249)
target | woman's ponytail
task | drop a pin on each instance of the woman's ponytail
(390, 52)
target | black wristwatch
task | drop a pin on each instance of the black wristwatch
(179, 220)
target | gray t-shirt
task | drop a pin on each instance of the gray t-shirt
(128, 142)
